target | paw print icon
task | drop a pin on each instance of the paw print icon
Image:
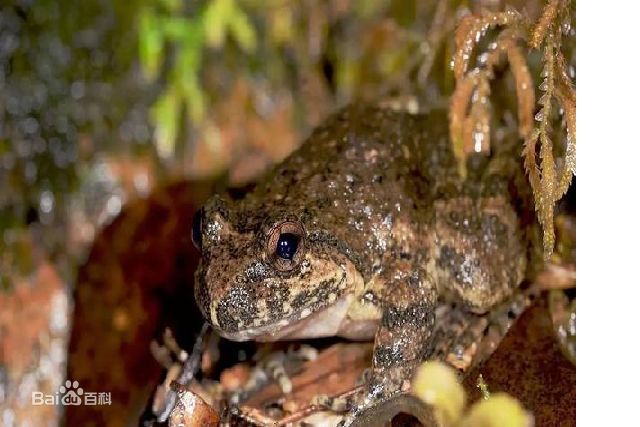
(71, 393)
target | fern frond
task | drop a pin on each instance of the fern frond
(469, 115)
(545, 24)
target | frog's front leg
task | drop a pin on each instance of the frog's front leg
(408, 299)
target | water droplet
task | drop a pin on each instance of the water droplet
(114, 204)
(30, 126)
(46, 202)
(539, 116)
(141, 183)
(77, 90)
(544, 85)
(459, 351)
(388, 221)
(543, 99)
(478, 138)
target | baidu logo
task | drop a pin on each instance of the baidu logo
(71, 394)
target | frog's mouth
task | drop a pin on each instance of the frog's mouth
(325, 322)
(321, 321)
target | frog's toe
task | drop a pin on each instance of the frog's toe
(380, 412)
(364, 377)
(347, 421)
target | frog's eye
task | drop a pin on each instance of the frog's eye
(286, 245)
(196, 229)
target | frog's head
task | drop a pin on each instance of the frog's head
(264, 275)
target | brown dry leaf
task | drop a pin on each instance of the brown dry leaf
(566, 95)
(458, 106)
(477, 134)
(191, 410)
(472, 28)
(530, 164)
(524, 88)
(471, 132)
(548, 183)
(544, 24)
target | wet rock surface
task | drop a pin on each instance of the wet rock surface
(138, 278)
(529, 364)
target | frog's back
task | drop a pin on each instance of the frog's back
(370, 177)
(363, 145)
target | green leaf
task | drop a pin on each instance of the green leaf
(166, 114)
(215, 20)
(195, 104)
(177, 28)
(243, 31)
(185, 75)
(188, 60)
(172, 5)
(150, 43)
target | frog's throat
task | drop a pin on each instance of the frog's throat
(321, 321)
(325, 322)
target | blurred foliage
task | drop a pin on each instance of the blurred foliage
(499, 410)
(101, 101)
(164, 23)
(329, 50)
(436, 384)
(60, 65)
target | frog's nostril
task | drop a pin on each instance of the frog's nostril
(196, 229)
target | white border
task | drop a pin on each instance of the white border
(608, 385)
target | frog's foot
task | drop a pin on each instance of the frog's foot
(275, 367)
(456, 336)
(364, 377)
(385, 410)
(272, 368)
(464, 339)
(374, 393)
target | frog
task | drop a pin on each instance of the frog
(365, 232)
